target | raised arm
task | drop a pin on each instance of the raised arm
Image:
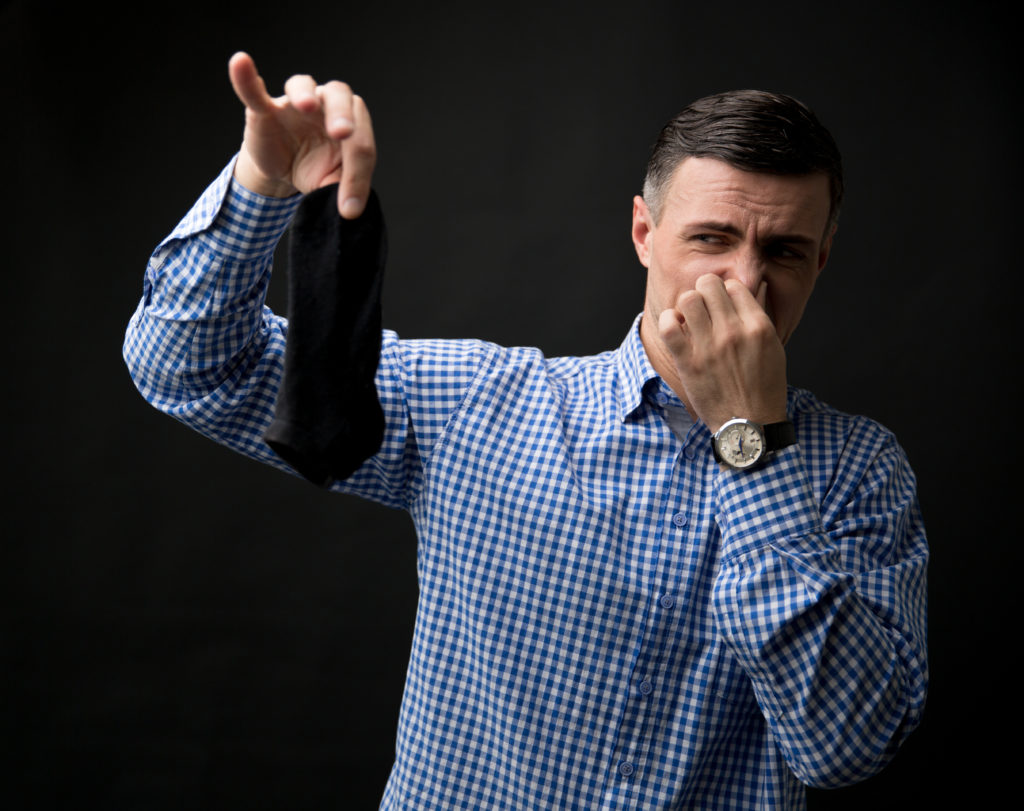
(202, 346)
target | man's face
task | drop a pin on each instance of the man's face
(735, 224)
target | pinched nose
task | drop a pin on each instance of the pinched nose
(747, 267)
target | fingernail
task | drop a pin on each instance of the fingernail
(352, 208)
(342, 124)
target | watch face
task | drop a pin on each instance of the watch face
(740, 444)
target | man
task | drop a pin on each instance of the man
(657, 577)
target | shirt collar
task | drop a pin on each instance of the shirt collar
(635, 372)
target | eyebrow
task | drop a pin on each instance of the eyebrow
(732, 230)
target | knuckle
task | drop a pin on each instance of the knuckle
(763, 329)
(729, 336)
(364, 151)
(336, 86)
(686, 298)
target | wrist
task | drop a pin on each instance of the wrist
(249, 175)
(715, 423)
(742, 444)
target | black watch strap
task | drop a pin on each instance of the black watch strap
(779, 435)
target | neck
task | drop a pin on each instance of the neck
(661, 359)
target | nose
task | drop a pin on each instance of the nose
(748, 267)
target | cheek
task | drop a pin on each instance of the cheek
(677, 274)
(786, 305)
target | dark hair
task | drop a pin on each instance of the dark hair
(752, 130)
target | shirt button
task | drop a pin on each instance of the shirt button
(661, 398)
(679, 519)
(689, 452)
(646, 688)
(667, 601)
(625, 768)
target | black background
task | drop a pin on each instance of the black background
(188, 629)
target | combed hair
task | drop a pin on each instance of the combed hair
(753, 130)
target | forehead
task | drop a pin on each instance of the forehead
(707, 188)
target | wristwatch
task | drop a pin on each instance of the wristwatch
(741, 444)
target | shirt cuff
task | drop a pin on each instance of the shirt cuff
(772, 505)
(238, 224)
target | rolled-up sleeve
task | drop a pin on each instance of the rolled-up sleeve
(823, 603)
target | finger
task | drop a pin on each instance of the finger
(247, 83)
(692, 308)
(716, 299)
(336, 100)
(747, 305)
(670, 328)
(301, 93)
(358, 159)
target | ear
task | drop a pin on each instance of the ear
(826, 248)
(643, 228)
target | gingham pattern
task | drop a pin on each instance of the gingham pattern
(606, 620)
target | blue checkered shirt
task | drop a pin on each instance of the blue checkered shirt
(607, 620)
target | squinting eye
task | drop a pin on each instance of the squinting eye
(784, 252)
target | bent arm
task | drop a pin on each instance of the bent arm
(824, 607)
(202, 346)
